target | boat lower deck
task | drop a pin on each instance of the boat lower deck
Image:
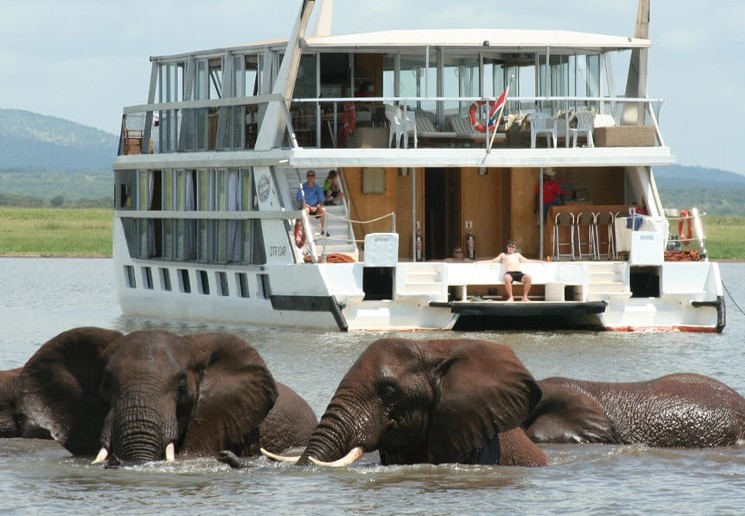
(485, 313)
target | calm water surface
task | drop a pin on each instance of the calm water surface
(42, 297)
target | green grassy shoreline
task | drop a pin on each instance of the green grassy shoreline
(86, 233)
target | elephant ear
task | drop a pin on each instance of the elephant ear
(236, 391)
(568, 414)
(484, 389)
(60, 385)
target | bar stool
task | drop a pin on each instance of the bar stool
(561, 221)
(586, 245)
(607, 238)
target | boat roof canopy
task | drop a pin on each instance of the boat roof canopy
(500, 40)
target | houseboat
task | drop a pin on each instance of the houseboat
(439, 139)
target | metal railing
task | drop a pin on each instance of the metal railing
(234, 123)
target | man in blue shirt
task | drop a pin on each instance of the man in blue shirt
(311, 198)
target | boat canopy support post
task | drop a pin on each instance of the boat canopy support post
(271, 132)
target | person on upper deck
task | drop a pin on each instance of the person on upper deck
(512, 260)
(331, 190)
(551, 191)
(311, 199)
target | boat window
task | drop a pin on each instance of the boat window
(204, 282)
(305, 86)
(129, 276)
(461, 77)
(265, 289)
(165, 279)
(335, 74)
(242, 280)
(412, 79)
(125, 186)
(147, 277)
(222, 283)
(184, 283)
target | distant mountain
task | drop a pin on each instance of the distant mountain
(714, 191)
(29, 141)
(682, 176)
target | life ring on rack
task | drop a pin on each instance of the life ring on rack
(299, 234)
(685, 220)
(473, 116)
(349, 118)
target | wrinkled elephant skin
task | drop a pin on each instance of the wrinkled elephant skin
(681, 410)
(13, 422)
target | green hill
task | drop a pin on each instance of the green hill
(29, 141)
(714, 191)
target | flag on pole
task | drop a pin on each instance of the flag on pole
(496, 113)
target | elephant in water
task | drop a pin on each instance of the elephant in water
(679, 410)
(427, 401)
(148, 395)
(13, 422)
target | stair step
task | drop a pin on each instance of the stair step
(601, 296)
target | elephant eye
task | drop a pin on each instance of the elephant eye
(105, 387)
(388, 393)
(181, 386)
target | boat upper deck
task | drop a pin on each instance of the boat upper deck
(434, 90)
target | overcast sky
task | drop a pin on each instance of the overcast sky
(83, 60)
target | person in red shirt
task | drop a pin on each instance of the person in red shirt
(551, 191)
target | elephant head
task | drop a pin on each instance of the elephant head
(149, 394)
(682, 410)
(431, 401)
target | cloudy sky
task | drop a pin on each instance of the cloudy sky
(83, 60)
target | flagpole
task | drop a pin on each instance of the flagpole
(501, 110)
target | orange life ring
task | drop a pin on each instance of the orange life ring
(299, 234)
(685, 219)
(349, 118)
(474, 118)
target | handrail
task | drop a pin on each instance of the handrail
(179, 131)
(688, 221)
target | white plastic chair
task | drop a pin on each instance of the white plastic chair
(585, 120)
(541, 123)
(400, 126)
(409, 126)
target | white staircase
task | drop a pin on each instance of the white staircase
(422, 278)
(341, 236)
(606, 280)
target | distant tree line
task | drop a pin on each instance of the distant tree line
(58, 201)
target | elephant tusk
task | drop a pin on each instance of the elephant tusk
(349, 459)
(170, 453)
(102, 454)
(278, 458)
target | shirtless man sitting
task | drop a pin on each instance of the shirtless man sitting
(512, 260)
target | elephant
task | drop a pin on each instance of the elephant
(682, 410)
(13, 422)
(427, 401)
(150, 394)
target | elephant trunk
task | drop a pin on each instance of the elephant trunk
(339, 431)
(140, 434)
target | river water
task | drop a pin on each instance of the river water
(43, 297)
